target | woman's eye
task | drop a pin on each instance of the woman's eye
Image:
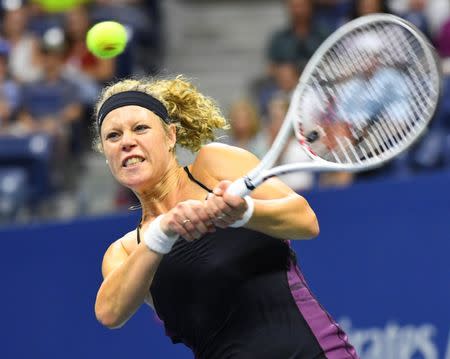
(141, 127)
(112, 136)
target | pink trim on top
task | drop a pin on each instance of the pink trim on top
(328, 333)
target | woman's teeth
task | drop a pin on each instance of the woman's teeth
(133, 160)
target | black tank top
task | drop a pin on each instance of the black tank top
(237, 293)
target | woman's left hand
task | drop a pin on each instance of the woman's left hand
(223, 208)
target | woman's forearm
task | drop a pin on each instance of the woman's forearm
(290, 217)
(125, 288)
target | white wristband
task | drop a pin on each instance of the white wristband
(156, 239)
(247, 215)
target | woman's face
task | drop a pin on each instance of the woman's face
(277, 110)
(77, 23)
(3, 67)
(242, 121)
(300, 9)
(286, 76)
(15, 22)
(136, 146)
(366, 7)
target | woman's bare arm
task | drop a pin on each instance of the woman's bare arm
(279, 211)
(128, 274)
(126, 284)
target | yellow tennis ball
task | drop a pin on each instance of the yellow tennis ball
(106, 39)
(58, 6)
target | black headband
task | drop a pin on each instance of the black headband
(128, 98)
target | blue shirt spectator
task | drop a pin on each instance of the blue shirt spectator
(52, 98)
(9, 90)
(332, 12)
(389, 91)
(416, 15)
(300, 38)
(52, 104)
(43, 99)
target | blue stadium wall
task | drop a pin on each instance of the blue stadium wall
(381, 266)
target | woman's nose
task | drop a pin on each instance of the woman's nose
(128, 140)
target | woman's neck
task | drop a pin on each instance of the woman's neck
(171, 189)
(243, 138)
(14, 37)
(302, 28)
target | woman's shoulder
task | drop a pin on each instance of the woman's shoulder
(118, 252)
(223, 161)
(216, 151)
(129, 241)
(125, 244)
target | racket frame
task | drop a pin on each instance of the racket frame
(264, 170)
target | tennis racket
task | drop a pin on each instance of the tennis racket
(367, 93)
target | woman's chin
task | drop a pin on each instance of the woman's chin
(136, 184)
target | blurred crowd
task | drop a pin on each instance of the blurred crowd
(49, 82)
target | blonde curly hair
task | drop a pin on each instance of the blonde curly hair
(195, 115)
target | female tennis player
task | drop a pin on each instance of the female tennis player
(217, 268)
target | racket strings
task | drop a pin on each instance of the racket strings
(375, 89)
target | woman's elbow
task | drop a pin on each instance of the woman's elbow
(307, 227)
(310, 223)
(313, 227)
(107, 317)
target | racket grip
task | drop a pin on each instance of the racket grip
(240, 187)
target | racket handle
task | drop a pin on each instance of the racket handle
(241, 187)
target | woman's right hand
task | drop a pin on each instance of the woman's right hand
(189, 219)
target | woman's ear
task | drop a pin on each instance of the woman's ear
(172, 136)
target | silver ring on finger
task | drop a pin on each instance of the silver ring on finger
(186, 221)
(222, 216)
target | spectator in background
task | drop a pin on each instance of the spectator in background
(140, 52)
(52, 105)
(443, 40)
(52, 101)
(415, 14)
(300, 38)
(288, 50)
(366, 7)
(153, 40)
(436, 12)
(245, 128)
(277, 109)
(23, 62)
(83, 68)
(77, 23)
(332, 12)
(432, 152)
(285, 73)
(9, 90)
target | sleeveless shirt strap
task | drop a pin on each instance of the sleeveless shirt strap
(138, 233)
(193, 179)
